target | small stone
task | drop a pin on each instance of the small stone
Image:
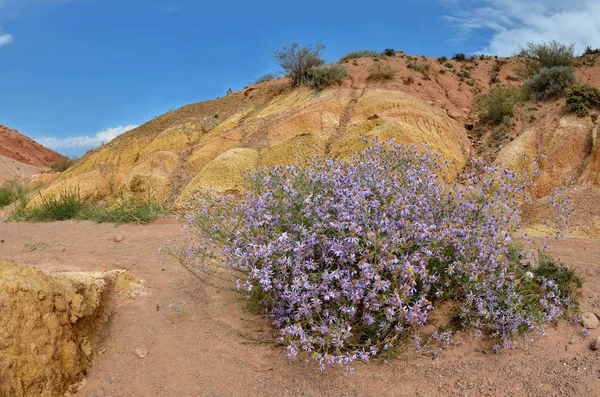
(2, 241)
(589, 320)
(595, 345)
(141, 353)
(572, 341)
(118, 238)
(62, 249)
(86, 347)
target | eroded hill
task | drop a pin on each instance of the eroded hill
(209, 144)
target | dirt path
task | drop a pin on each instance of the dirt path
(212, 347)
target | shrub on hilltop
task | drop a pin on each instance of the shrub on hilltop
(325, 76)
(298, 62)
(349, 257)
(360, 54)
(545, 55)
(267, 77)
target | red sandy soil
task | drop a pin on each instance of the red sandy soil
(18, 147)
(215, 347)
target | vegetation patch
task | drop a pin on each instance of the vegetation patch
(550, 82)
(582, 97)
(11, 192)
(381, 71)
(325, 76)
(418, 67)
(266, 78)
(68, 205)
(538, 56)
(299, 62)
(498, 104)
(348, 258)
(360, 54)
(62, 165)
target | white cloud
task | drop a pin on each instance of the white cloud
(5, 38)
(516, 22)
(86, 141)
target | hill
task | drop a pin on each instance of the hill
(21, 156)
(427, 102)
(17, 146)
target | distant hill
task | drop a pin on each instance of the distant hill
(17, 146)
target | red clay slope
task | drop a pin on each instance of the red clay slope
(18, 147)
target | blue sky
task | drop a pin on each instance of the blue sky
(74, 73)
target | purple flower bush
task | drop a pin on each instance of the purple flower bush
(347, 257)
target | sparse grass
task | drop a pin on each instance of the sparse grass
(65, 205)
(11, 192)
(360, 54)
(545, 55)
(381, 71)
(581, 97)
(497, 104)
(62, 165)
(418, 67)
(124, 212)
(266, 78)
(325, 76)
(442, 59)
(68, 205)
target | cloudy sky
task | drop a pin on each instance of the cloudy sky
(77, 73)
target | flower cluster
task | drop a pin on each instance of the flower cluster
(347, 256)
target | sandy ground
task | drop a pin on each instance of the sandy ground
(11, 169)
(211, 346)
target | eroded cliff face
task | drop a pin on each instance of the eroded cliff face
(50, 324)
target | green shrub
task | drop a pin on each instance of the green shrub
(581, 97)
(550, 82)
(11, 192)
(389, 52)
(265, 78)
(298, 62)
(360, 54)
(499, 103)
(545, 55)
(325, 76)
(448, 65)
(65, 205)
(459, 57)
(442, 59)
(381, 71)
(62, 165)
